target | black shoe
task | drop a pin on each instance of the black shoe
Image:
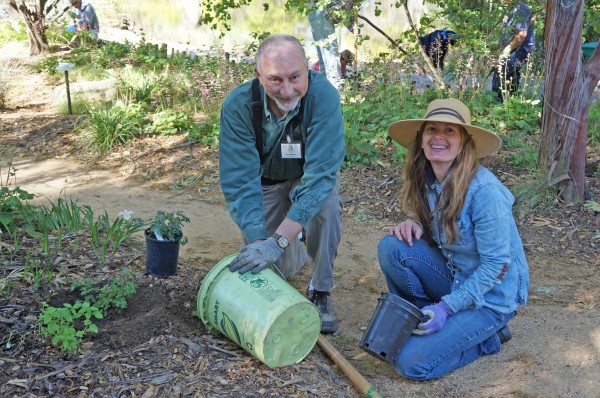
(329, 322)
(504, 334)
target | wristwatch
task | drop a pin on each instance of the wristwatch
(281, 240)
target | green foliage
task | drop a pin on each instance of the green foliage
(137, 85)
(18, 217)
(9, 33)
(15, 212)
(66, 215)
(113, 295)
(149, 55)
(108, 236)
(591, 24)
(516, 121)
(60, 324)
(35, 273)
(169, 122)
(116, 124)
(594, 124)
(207, 133)
(169, 226)
(47, 64)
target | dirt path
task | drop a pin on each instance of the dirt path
(555, 351)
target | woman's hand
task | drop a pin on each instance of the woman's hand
(406, 230)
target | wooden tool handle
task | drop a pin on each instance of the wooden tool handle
(356, 378)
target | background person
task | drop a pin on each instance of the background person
(86, 18)
(322, 25)
(293, 182)
(346, 58)
(517, 42)
(436, 45)
(459, 256)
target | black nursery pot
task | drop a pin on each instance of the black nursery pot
(161, 255)
(390, 326)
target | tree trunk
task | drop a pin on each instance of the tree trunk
(34, 17)
(568, 87)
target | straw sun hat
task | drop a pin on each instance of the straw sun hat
(448, 110)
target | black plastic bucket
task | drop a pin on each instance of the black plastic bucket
(393, 321)
(161, 256)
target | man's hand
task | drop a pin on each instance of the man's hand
(256, 256)
(506, 51)
(436, 318)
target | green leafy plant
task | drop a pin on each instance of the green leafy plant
(15, 212)
(113, 295)
(61, 324)
(169, 122)
(169, 226)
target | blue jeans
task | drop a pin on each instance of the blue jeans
(420, 275)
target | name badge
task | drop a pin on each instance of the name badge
(291, 150)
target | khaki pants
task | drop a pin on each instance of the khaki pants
(323, 234)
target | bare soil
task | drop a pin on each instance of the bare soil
(158, 348)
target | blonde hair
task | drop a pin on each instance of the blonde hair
(452, 197)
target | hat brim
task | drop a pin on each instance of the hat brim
(404, 133)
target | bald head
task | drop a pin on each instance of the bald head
(280, 46)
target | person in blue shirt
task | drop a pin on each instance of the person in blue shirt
(458, 256)
(291, 182)
(86, 17)
(517, 42)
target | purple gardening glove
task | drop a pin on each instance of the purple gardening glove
(434, 319)
(256, 256)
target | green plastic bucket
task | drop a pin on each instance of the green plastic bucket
(260, 312)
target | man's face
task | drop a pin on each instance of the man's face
(77, 4)
(284, 75)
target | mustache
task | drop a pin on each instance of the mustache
(282, 98)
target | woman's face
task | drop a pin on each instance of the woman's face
(442, 143)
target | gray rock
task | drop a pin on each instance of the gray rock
(98, 90)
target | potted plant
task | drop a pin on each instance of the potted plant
(163, 238)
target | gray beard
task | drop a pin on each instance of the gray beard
(286, 108)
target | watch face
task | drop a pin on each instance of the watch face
(283, 242)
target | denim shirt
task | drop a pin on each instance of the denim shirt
(487, 260)
(240, 169)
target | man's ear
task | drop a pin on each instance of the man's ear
(256, 72)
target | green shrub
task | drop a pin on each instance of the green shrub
(115, 124)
